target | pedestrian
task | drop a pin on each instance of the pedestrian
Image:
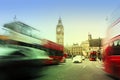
(99, 55)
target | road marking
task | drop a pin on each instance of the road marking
(101, 67)
(83, 67)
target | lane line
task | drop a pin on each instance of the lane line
(100, 67)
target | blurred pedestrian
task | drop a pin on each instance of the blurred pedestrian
(99, 55)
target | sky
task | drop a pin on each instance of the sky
(79, 17)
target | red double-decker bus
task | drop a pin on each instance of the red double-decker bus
(56, 51)
(111, 49)
(24, 35)
(93, 56)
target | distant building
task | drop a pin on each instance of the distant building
(91, 44)
(74, 49)
(95, 44)
(85, 46)
(60, 33)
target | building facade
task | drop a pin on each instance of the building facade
(74, 49)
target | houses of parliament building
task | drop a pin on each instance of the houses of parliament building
(76, 49)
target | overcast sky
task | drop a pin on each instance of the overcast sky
(79, 17)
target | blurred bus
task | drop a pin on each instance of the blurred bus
(25, 35)
(111, 48)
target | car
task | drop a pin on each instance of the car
(77, 59)
(22, 56)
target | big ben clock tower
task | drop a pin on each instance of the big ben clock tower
(60, 32)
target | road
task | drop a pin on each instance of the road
(87, 70)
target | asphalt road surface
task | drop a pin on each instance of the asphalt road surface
(87, 70)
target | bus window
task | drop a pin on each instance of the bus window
(116, 43)
(116, 48)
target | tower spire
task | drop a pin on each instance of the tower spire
(89, 36)
(59, 21)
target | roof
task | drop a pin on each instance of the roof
(95, 42)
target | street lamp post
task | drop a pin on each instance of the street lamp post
(99, 43)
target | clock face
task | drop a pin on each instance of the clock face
(58, 29)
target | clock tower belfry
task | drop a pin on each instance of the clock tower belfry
(60, 32)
